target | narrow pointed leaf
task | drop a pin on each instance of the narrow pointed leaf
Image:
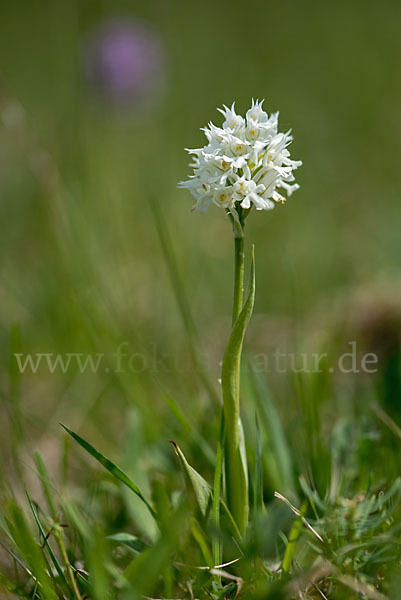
(194, 482)
(46, 541)
(111, 467)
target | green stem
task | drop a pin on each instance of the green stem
(235, 460)
(238, 277)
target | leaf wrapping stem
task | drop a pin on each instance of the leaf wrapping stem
(235, 459)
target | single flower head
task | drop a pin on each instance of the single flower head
(245, 163)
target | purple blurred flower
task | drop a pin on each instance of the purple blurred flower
(124, 61)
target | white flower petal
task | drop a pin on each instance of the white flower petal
(243, 162)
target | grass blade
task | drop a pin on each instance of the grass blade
(111, 467)
(190, 429)
(277, 458)
(295, 532)
(31, 553)
(143, 573)
(182, 300)
(258, 487)
(46, 541)
(130, 541)
(216, 544)
(45, 482)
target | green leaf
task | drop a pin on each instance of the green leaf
(276, 456)
(143, 573)
(130, 541)
(295, 532)
(202, 542)
(258, 489)
(216, 544)
(46, 485)
(111, 467)
(237, 481)
(52, 555)
(31, 553)
(4, 526)
(194, 482)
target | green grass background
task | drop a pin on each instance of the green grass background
(82, 268)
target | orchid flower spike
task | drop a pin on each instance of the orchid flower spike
(245, 163)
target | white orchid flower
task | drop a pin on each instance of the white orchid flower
(244, 163)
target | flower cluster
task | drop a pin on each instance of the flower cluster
(243, 164)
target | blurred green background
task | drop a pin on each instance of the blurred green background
(82, 266)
